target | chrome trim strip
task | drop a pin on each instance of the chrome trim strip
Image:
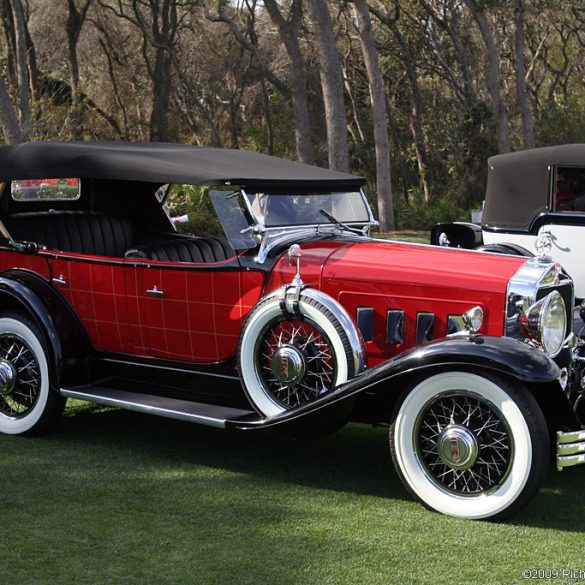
(570, 461)
(571, 437)
(144, 408)
(570, 449)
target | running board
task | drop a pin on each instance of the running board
(195, 412)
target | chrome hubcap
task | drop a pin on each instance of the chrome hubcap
(457, 447)
(463, 443)
(295, 362)
(8, 377)
(288, 365)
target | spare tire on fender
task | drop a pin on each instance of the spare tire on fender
(295, 348)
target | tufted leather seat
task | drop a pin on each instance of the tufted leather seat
(73, 231)
(184, 250)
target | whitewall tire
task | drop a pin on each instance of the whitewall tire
(286, 361)
(27, 404)
(470, 446)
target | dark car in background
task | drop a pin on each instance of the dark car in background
(533, 198)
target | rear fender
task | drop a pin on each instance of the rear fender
(63, 337)
(500, 355)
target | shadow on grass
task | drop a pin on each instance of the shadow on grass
(355, 459)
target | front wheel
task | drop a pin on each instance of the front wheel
(27, 404)
(470, 446)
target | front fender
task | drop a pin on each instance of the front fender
(501, 355)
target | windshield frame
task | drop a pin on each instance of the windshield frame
(268, 237)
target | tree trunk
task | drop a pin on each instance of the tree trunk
(520, 70)
(416, 107)
(463, 56)
(75, 20)
(161, 95)
(492, 75)
(289, 34)
(332, 86)
(8, 118)
(380, 117)
(22, 67)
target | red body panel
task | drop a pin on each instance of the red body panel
(11, 259)
(412, 278)
(200, 315)
(96, 290)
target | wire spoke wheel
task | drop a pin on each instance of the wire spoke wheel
(28, 406)
(464, 444)
(294, 354)
(296, 362)
(470, 445)
(21, 366)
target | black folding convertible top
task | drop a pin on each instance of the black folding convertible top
(519, 184)
(165, 163)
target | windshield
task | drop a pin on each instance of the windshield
(273, 209)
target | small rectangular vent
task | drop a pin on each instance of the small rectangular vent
(365, 322)
(394, 327)
(425, 323)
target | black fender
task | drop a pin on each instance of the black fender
(459, 235)
(505, 248)
(500, 355)
(63, 336)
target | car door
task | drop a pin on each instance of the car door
(95, 288)
(189, 311)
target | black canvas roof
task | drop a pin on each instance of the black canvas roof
(164, 163)
(519, 184)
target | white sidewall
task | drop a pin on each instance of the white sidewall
(472, 507)
(271, 310)
(16, 426)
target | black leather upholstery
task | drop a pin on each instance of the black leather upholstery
(184, 250)
(73, 231)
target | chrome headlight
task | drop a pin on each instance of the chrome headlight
(545, 323)
(539, 306)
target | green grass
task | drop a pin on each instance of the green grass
(117, 497)
(420, 237)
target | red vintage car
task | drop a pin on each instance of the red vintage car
(280, 311)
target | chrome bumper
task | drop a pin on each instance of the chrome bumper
(570, 449)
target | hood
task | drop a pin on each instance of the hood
(429, 267)
(373, 278)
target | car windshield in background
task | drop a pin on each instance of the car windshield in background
(273, 209)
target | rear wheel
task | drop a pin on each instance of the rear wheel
(470, 446)
(27, 405)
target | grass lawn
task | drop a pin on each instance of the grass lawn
(420, 237)
(117, 497)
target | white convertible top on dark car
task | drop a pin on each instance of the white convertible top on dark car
(165, 163)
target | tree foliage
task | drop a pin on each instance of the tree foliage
(462, 80)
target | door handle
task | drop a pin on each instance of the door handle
(155, 292)
(60, 280)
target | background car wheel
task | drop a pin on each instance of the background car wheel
(287, 361)
(470, 446)
(27, 405)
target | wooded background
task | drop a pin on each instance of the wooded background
(412, 94)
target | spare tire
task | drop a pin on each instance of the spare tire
(288, 358)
